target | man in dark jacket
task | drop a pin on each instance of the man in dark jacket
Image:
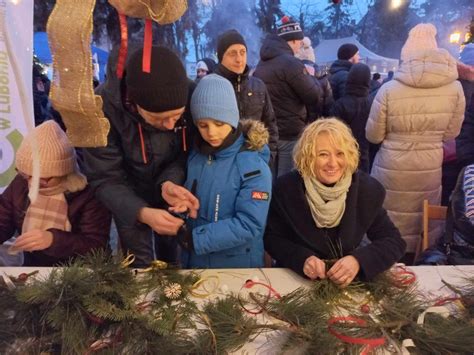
(354, 108)
(289, 86)
(252, 96)
(146, 150)
(347, 54)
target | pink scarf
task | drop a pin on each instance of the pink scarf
(48, 211)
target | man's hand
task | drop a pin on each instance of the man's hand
(314, 268)
(160, 220)
(33, 240)
(180, 199)
(344, 271)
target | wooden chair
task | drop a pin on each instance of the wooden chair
(431, 212)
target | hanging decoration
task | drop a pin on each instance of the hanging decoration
(69, 31)
(161, 11)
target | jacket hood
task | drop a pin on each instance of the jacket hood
(340, 65)
(274, 46)
(358, 80)
(256, 134)
(430, 68)
(466, 72)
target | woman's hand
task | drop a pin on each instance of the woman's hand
(314, 268)
(344, 271)
(180, 199)
(33, 240)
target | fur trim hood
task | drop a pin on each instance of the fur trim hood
(255, 133)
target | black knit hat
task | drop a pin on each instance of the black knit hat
(290, 30)
(165, 88)
(227, 39)
(347, 51)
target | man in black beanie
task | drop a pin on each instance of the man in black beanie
(146, 150)
(252, 96)
(347, 54)
(289, 86)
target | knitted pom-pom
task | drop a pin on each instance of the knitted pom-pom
(285, 19)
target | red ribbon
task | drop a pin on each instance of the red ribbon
(403, 277)
(250, 284)
(123, 45)
(147, 42)
(445, 300)
(369, 342)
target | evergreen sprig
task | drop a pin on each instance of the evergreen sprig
(97, 299)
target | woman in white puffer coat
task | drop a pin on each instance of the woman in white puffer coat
(411, 116)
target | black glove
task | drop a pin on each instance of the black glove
(185, 238)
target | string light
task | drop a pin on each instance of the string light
(454, 37)
(396, 4)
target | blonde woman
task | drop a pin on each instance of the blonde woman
(321, 211)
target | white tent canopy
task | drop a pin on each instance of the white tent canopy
(326, 53)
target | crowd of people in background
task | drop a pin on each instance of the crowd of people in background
(321, 172)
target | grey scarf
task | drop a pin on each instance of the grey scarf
(327, 204)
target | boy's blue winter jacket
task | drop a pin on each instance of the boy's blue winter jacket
(234, 191)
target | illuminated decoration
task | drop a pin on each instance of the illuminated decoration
(395, 4)
(455, 37)
(161, 11)
(69, 30)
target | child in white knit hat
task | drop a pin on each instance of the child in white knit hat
(65, 219)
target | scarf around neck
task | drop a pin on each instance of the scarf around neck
(50, 210)
(327, 204)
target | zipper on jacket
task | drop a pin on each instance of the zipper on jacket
(238, 82)
(209, 159)
(216, 208)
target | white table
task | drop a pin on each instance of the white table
(222, 281)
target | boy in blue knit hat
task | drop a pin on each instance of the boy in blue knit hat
(229, 174)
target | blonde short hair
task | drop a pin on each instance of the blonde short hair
(340, 135)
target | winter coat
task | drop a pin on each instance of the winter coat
(234, 188)
(465, 140)
(292, 236)
(354, 107)
(127, 173)
(374, 86)
(339, 71)
(253, 100)
(325, 102)
(411, 116)
(90, 222)
(289, 86)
